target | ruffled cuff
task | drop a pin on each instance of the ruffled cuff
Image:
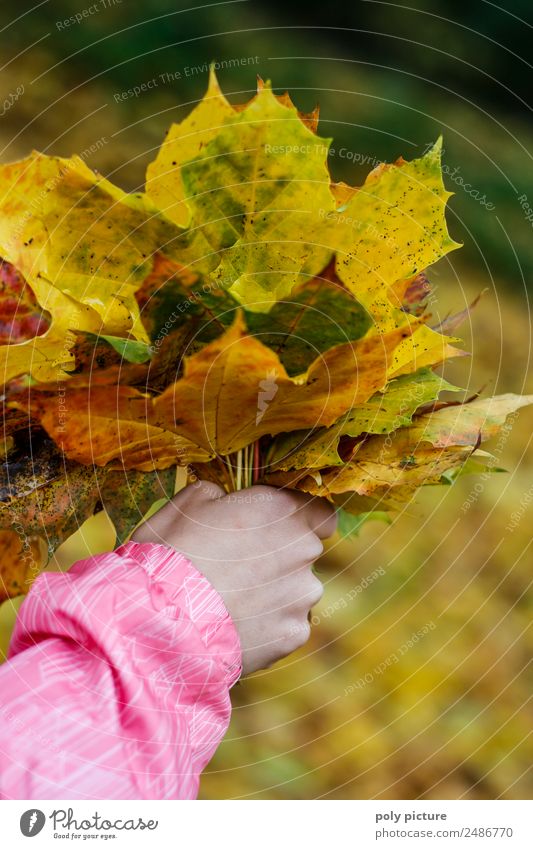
(175, 583)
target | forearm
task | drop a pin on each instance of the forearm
(117, 680)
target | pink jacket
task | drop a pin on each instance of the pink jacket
(117, 682)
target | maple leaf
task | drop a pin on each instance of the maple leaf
(213, 409)
(48, 501)
(391, 229)
(413, 292)
(384, 236)
(463, 424)
(107, 425)
(382, 413)
(436, 444)
(176, 301)
(376, 465)
(426, 347)
(379, 467)
(48, 356)
(316, 316)
(83, 245)
(186, 140)
(28, 487)
(127, 495)
(182, 312)
(215, 404)
(246, 305)
(257, 187)
(20, 560)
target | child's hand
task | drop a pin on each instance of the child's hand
(256, 547)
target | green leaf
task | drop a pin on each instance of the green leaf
(98, 351)
(386, 411)
(130, 349)
(317, 316)
(259, 193)
(350, 525)
(478, 463)
(128, 495)
(173, 300)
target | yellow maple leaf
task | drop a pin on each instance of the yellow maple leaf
(256, 185)
(63, 225)
(184, 141)
(49, 357)
(393, 227)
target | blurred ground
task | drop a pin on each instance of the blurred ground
(415, 685)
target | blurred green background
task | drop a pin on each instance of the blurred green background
(450, 716)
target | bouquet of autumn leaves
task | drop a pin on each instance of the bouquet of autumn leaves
(244, 317)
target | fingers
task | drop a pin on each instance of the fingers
(324, 518)
(298, 592)
(317, 512)
(310, 548)
(300, 630)
(313, 592)
(320, 514)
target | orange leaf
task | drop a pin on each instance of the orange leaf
(107, 424)
(236, 389)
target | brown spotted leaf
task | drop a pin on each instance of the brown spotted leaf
(128, 495)
(45, 498)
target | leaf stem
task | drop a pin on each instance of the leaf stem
(226, 463)
(256, 461)
(251, 463)
(238, 475)
(242, 466)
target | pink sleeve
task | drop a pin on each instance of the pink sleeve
(117, 681)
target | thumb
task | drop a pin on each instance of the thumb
(198, 491)
(184, 503)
